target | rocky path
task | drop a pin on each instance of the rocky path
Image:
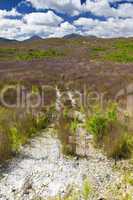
(41, 171)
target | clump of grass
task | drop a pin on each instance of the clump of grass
(128, 178)
(126, 45)
(16, 127)
(97, 125)
(119, 56)
(4, 51)
(86, 190)
(15, 139)
(120, 147)
(46, 117)
(39, 54)
(66, 130)
(110, 133)
(121, 51)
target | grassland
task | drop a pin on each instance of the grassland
(102, 65)
(28, 55)
(115, 50)
(69, 61)
(121, 52)
(96, 65)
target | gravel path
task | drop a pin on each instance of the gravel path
(41, 171)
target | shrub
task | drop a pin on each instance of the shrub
(45, 118)
(66, 130)
(110, 133)
(15, 139)
(74, 126)
(97, 125)
(112, 112)
(5, 148)
(26, 124)
(128, 178)
(16, 126)
(38, 54)
(121, 147)
(5, 144)
(99, 119)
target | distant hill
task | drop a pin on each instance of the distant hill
(6, 40)
(74, 35)
(33, 38)
(71, 36)
(102, 64)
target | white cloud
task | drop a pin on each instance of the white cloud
(5, 13)
(65, 6)
(97, 7)
(39, 18)
(109, 28)
(119, 22)
(42, 24)
(85, 23)
(22, 29)
(125, 10)
(10, 28)
(103, 8)
(64, 29)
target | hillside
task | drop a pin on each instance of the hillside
(104, 64)
(73, 140)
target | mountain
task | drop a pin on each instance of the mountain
(72, 36)
(6, 40)
(34, 37)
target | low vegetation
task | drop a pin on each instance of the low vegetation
(119, 51)
(112, 50)
(17, 126)
(29, 54)
(110, 133)
(67, 125)
(84, 63)
(38, 54)
(86, 189)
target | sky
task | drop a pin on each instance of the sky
(22, 19)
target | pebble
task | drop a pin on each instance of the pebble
(41, 170)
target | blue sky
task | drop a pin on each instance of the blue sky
(22, 19)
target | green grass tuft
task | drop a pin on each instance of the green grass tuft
(38, 54)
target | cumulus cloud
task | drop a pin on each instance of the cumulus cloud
(44, 24)
(125, 10)
(28, 25)
(109, 28)
(97, 7)
(65, 6)
(10, 28)
(64, 29)
(5, 13)
(40, 18)
(118, 21)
